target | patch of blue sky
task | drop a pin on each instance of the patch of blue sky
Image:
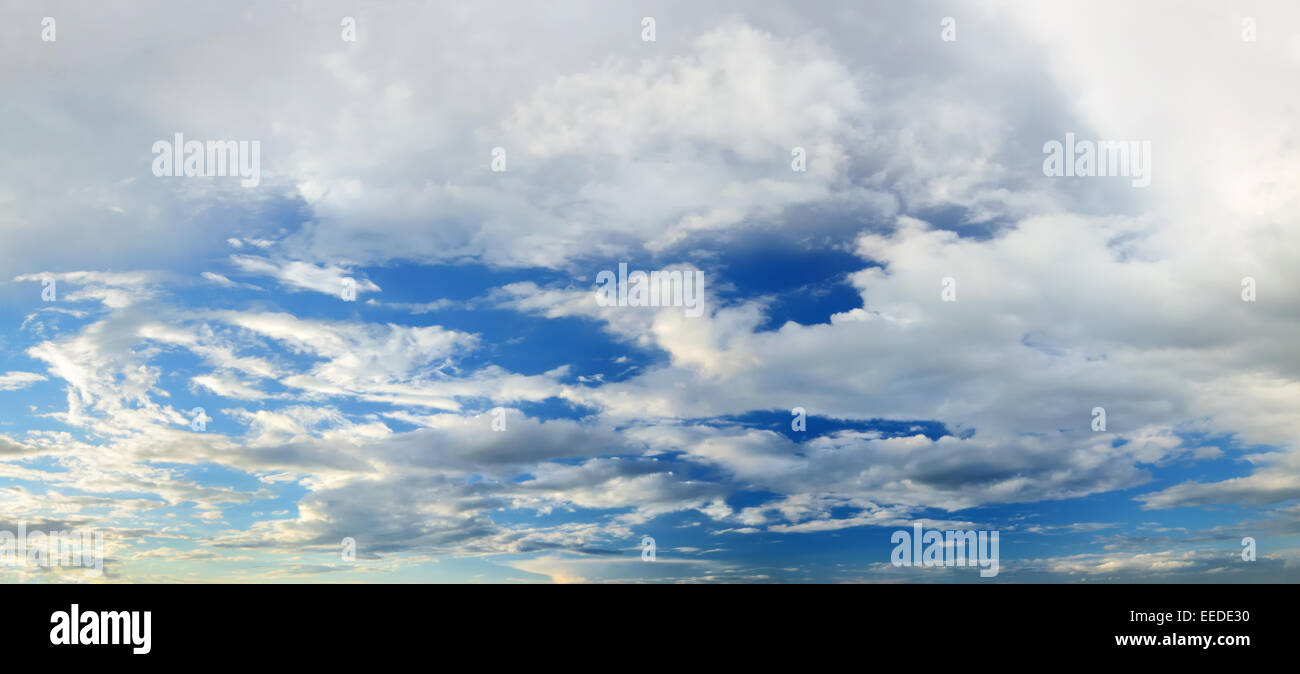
(780, 421)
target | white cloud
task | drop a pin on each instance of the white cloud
(298, 275)
(12, 381)
(225, 282)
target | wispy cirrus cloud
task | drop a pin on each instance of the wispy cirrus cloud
(12, 381)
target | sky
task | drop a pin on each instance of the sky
(406, 370)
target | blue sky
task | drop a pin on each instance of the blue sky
(378, 417)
